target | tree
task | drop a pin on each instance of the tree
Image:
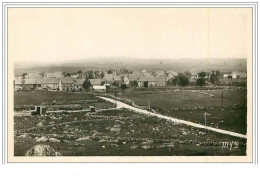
(86, 84)
(123, 86)
(213, 79)
(79, 72)
(135, 84)
(68, 74)
(102, 74)
(110, 71)
(90, 75)
(172, 81)
(103, 82)
(200, 81)
(24, 75)
(115, 83)
(202, 74)
(145, 84)
(182, 80)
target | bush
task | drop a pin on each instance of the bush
(200, 82)
(182, 80)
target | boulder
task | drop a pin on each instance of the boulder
(42, 150)
(87, 138)
(42, 139)
(54, 140)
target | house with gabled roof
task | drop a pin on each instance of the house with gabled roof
(66, 84)
(95, 82)
(78, 84)
(152, 81)
(50, 83)
(27, 84)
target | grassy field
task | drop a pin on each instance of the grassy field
(136, 135)
(184, 98)
(38, 97)
(224, 118)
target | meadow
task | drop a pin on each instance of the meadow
(229, 113)
(118, 133)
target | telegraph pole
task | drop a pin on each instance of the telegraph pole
(148, 103)
(222, 98)
(205, 115)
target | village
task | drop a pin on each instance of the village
(100, 81)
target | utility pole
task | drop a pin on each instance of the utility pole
(222, 98)
(115, 97)
(205, 115)
(148, 103)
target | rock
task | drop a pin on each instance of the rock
(54, 140)
(42, 139)
(42, 150)
(87, 138)
(103, 140)
(115, 129)
(40, 124)
(24, 135)
(133, 147)
(146, 147)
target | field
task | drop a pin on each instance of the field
(191, 105)
(38, 97)
(118, 132)
(26, 100)
(187, 98)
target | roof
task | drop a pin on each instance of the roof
(27, 81)
(79, 81)
(173, 73)
(95, 81)
(33, 76)
(117, 78)
(193, 72)
(99, 87)
(147, 74)
(108, 78)
(133, 77)
(67, 80)
(152, 79)
(50, 80)
(239, 73)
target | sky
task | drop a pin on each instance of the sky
(41, 35)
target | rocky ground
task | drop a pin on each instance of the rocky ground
(116, 132)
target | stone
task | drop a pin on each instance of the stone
(42, 139)
(54, 140)
(87, 138)
(42, 150)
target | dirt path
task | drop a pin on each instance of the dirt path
(123, 105)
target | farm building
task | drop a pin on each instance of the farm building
(172, 74)
(192, 75)
(238, 75)
(50, 83)
(152, 81)
(27, 84)
(75, 76)
(99, 88)
(78, 84)
(126, 81)
(33, 76)
(133, 78)
(109, 79)
(95, 82)
(56, 74)
(66, 84)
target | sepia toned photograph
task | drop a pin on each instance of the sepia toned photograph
(130, 83)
